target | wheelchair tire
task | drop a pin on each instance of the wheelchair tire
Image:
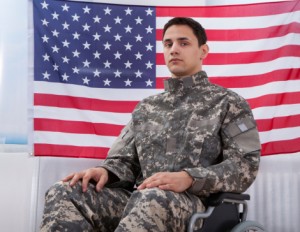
(248, 226)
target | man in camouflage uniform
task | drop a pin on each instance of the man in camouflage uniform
(194, 139)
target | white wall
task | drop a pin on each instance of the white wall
(24, 179)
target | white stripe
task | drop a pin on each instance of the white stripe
(269, 112)
(269, 88)
(232, 23)
(247, 45)
(95, 93)
(81, 115)
(279, 134)
(232, 70)
(180, 2)
(84, 140)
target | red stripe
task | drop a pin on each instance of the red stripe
(280, 147)
(70, 151)
(246, 34)
(275, 100)
(247, 81)
(84, 103)
(244, 57)
(41, 124)
(229, 11)
(278, 123)
(256, 80)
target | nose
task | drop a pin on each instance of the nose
(174, 49)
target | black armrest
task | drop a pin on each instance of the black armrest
(217, 198)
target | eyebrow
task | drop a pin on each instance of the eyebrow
(179, 39)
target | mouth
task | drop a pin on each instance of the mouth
(174, 60)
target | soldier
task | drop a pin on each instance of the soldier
(194, 139)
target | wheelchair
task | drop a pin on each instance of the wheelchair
(225, 212)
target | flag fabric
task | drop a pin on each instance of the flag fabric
(93, 62)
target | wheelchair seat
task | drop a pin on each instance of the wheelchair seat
(225, 214)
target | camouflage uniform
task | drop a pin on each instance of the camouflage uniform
(196, 126)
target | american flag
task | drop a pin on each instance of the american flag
(93, 62)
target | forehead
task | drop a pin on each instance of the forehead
(176, 32)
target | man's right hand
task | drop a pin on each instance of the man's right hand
(100, 175)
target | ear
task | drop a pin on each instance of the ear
(204, 51)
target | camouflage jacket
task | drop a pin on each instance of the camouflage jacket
(196, 126)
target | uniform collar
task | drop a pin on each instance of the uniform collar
(175, 84)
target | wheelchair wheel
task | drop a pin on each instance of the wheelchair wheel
(248, 226)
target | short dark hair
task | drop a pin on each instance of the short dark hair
(197, 28)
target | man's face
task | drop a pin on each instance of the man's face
(182, 53)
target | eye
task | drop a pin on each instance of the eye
(168, 45)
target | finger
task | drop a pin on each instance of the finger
(76, 178)
(69, 177)
(101, 183)
(85, 181)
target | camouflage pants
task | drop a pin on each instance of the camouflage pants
(115, 209)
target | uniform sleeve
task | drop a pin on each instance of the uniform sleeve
(122, 159)
(240, 155)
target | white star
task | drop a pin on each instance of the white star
(128, 46)
(76, 70)
(149, 11)
(65, 77)
(128, 29)
(149, 47)
(96, 36)
(86, 45)
(138, 74)
(76, 53)
(55, 49)
(86, 80)
(128, 64)
(65, 59)
(75, 17)
(117, 55)
(107, 46)
(149, 29)
(97, 73)
(128, 11)
(117, 37)
(86, 63)
(149, 65)
(138, 56)
(46, 75)
(117, 73)
(86, 27)
(149, 82)
(44, 5)
(97, 19)
(66, 26)
(86, 9)
(96, 55)
(55, 33)
(55, 15)
(46, 57)
(138, 38)
(76, 35)
(65, 7)
(66, 43)
(45, 22)
(55, 67)
(106, 82)
(45, 39)
(107, 64)
(128, 82)
(107, 28)
(118, 20)
(139, 20)
(107, 11)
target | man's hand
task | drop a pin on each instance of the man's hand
(100, 175)
(173, 181)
